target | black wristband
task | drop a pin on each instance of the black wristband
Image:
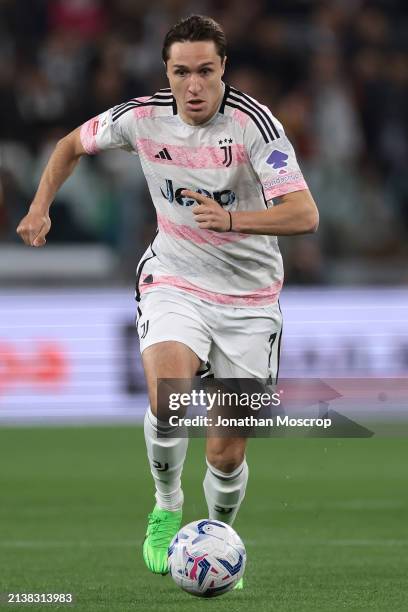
(230, 227)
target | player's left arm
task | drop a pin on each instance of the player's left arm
(291, 207)
(293, 213)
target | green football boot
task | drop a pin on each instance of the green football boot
(162, 526)
(239, 586)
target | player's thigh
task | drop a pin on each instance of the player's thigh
(224, 453)
(167, 359)
(247, 344)
(174, 338)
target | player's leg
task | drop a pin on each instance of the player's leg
(246, 345)
(173, 343)
(165, 451)
(226, 477)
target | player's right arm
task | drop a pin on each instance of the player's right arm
(34, 227)
(112, 129)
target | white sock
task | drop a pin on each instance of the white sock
(225, 492)
(166, 458)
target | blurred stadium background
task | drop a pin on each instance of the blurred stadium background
(336, 75)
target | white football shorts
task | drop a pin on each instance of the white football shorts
(232, 342)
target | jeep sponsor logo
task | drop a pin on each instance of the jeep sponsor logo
(225, 197)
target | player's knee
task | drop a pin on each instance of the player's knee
(226, 460)
(160, 408)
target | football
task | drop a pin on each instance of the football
(206, 558)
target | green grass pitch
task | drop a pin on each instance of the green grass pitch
(324, 522)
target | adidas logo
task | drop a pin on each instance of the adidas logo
(163, 154)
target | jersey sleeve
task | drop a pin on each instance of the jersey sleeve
(273, 157)
(109, 131)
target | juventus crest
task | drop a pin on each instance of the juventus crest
(144, 329)
(225, 145)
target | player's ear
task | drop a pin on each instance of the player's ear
(224, 61)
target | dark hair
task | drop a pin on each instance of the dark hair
(195, 28)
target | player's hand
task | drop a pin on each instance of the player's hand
(209, 215)
(34, 227)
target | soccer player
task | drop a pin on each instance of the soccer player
(216, 161)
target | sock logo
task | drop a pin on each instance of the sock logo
(222, 510)
(159, 466)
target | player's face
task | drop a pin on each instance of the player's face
(195, 70)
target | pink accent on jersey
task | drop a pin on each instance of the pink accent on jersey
(88, 134)
(144, 112)
(241, 117)
(283, 188)
(191, 157)
(199, 236)
(262, 297)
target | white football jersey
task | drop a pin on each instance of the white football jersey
(241, 158)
